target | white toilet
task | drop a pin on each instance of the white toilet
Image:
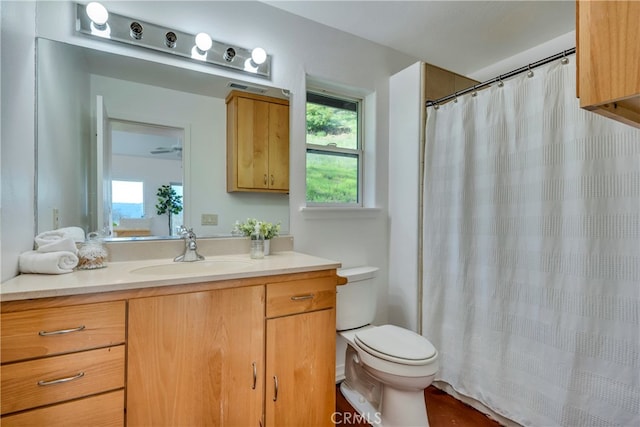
(386, 367)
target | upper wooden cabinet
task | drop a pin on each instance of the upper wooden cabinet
(440, 82)
(608, 48)
(257, 143)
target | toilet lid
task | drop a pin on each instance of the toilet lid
(396, 344)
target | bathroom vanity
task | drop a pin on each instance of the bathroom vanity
(226, 341)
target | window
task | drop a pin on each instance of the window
(127, 199)
(334, 150)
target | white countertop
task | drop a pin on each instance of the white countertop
(119, 276)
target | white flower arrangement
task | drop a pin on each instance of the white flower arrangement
(268, 229)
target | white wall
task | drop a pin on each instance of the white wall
(17, 138)
(404, 179)
(299, 48)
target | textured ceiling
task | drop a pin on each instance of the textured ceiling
(462, 36)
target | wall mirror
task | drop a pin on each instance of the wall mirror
(113, 129)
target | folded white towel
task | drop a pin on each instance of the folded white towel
(47, 262)
(62, 239)
(75, 233)
(56, 243)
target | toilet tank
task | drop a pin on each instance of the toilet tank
(356, 301)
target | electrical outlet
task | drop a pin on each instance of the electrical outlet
(209, 219)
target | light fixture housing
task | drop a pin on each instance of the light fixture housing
(120, 28)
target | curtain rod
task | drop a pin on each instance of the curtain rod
(526, 68)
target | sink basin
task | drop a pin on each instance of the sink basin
(198, 267)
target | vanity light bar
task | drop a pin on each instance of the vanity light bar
(135, 32)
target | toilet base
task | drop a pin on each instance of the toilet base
(366, 411)
(403, 408)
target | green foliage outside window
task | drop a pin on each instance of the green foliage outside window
(332, 177)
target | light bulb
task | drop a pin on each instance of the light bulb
(203, 42)
(258, 55)
(250, 66)
(97, 13)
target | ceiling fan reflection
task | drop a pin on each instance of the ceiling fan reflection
(165, 150)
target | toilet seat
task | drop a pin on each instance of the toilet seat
(395, 344)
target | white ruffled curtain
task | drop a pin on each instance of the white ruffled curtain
(532, 253)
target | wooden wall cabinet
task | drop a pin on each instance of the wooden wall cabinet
(440, 82)
(608, 49)
(257, 143)
(64, 366)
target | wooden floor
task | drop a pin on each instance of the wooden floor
(442, 410)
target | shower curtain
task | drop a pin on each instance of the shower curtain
(531, 290)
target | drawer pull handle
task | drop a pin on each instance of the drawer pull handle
(61, 380)
(255, 375)
(275, 388)
(61, 331)
(302, 297)
(272, 180)
(265, 179)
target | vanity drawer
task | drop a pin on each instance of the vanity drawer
(104, 410)
(299, 296)
(43, 332)
(55, 379)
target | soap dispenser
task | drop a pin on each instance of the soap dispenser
(257, 243)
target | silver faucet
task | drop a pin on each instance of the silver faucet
(190, 247)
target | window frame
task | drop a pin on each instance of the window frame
(358, 152)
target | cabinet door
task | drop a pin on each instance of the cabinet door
(278, 147)
(608, 45)
(196, 359)
(253, 143)
(300, 374)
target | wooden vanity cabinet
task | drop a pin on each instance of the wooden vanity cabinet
(608, 50)
(257, 143)
(300, 359)
(197, 354)
(196, 358)
(64, 366)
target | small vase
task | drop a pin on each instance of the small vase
(267, 247)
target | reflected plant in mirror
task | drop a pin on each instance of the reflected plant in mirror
(169, 203)
(145, 138)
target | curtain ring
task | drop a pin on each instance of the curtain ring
(564, 60)
(455, 99)
(436, 106)
(500, 82)
(474, 93)
(529, 73)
